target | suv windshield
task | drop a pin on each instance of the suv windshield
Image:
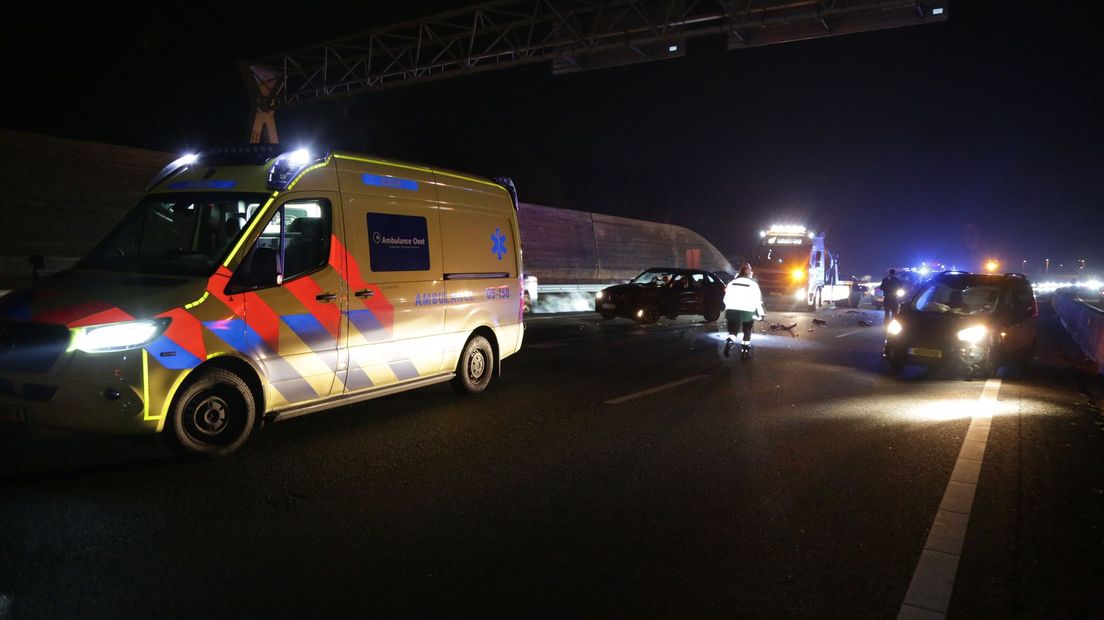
(958, 295)
(175, 234)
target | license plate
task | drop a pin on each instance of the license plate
(609, 306)
(925, 352)
(10, 413)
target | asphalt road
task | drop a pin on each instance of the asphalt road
(613, 471)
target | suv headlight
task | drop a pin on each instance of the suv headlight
(894, 328)
(974, 334)
(117, 336)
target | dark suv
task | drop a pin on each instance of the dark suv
(976, 321)
(663, 291)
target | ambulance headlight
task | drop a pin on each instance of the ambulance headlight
(117, 336)
(894, 328)
(974, 334)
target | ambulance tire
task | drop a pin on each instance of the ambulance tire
(475, 368)
(212, 415)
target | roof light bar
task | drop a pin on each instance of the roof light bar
(289, 165)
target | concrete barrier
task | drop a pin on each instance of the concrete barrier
(561, 246)
(1084, 322)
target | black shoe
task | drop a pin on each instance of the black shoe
(745, 352)
(728, 347)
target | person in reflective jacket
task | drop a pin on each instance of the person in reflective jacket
(743, 305)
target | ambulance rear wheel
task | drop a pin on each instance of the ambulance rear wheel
(475, 368)
(212, 415)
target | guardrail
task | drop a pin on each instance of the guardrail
(1083, 321)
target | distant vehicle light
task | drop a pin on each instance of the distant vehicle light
(900, 292)
(974, 334)
(812, 235)
(991, 266)
(640, 313)
(798, 275)
(762, 233)
(894, 328)
(924, 270)
(672, 48)
(799, 294)
(786, 229)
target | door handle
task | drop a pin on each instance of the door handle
(364, 293)
(326, 296)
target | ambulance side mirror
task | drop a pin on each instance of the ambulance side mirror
(259, 269)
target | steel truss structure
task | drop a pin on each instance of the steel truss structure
(574, 35)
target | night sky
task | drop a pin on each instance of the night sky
(956, 141)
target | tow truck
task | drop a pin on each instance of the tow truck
(795, 268)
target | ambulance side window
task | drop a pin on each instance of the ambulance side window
(295, 241)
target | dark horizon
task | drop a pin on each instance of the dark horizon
(957, 141)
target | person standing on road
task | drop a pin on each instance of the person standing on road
(743, 305)
(890, 301)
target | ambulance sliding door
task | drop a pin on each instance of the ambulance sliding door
(396, 293)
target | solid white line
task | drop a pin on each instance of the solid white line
(665, 386)
(929, 594)
(854, 331)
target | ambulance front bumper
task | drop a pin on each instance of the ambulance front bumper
(102, 393)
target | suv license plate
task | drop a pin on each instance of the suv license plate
(9, 413)
(925, 352)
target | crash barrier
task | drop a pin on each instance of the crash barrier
(565, 247)
(1084, 322)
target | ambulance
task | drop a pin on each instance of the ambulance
(254, 285)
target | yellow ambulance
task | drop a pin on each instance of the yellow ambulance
(251, 284)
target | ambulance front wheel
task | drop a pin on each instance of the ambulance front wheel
(475, 368)
(212, 415)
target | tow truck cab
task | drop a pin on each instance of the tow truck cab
(794, 268)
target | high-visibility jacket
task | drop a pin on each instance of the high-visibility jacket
(743, 294)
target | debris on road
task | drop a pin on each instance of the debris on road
(819, 322)
(789, 328)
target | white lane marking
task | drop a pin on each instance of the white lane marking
(929, 594)
(854, 331)
(665, 386)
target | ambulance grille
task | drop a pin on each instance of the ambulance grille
(31, 348)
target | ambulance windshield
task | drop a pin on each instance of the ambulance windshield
(185, 234)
